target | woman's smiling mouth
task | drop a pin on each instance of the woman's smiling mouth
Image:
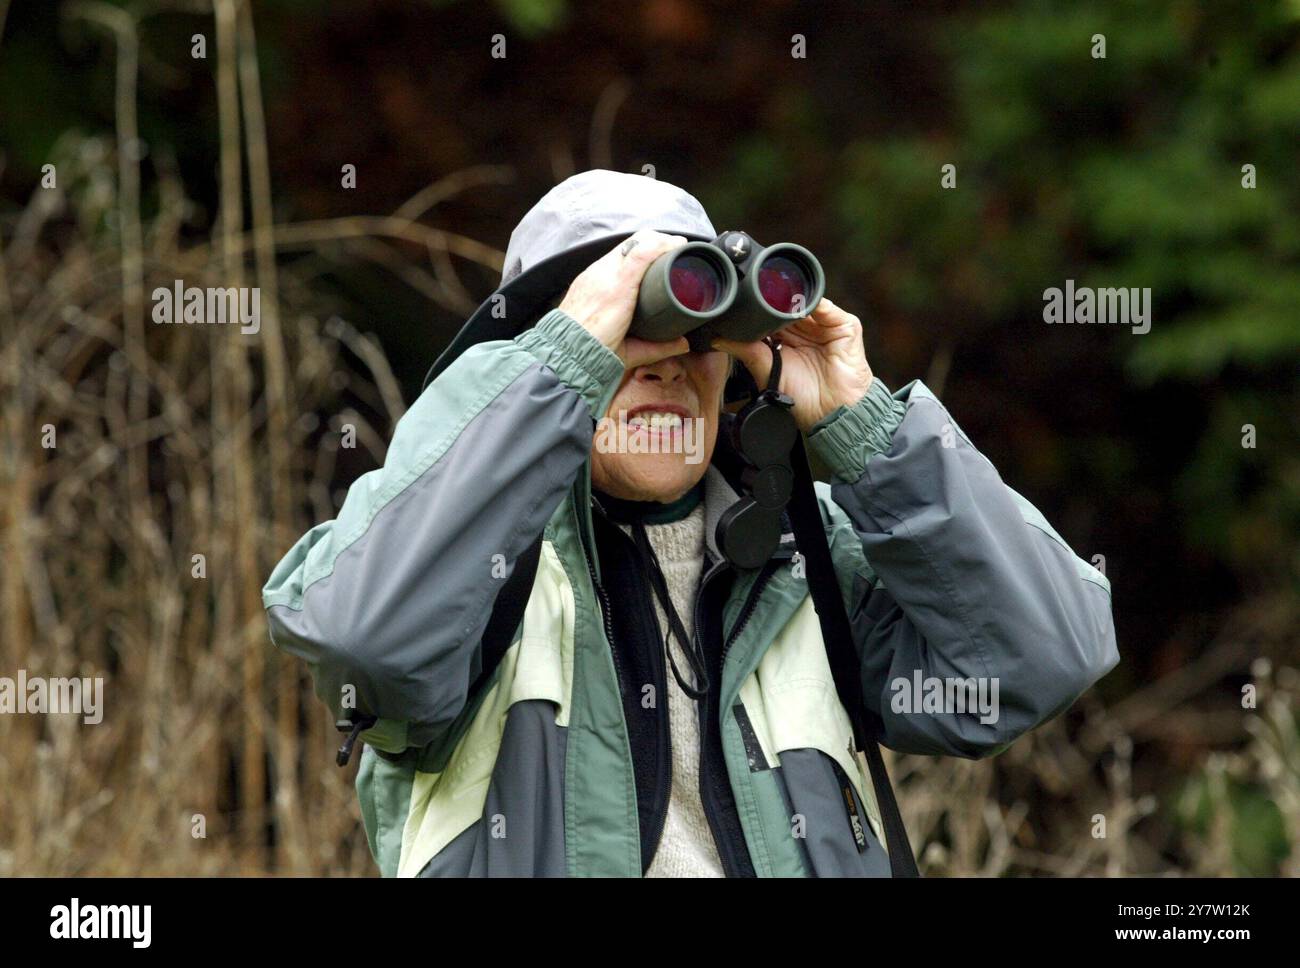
(660, 419)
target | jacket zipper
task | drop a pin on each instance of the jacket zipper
(664, 766)
(603, 604)
(661, 698)
(747, 610)
(729, 851)
(856, 825)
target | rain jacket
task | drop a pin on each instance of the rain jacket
(550, 762)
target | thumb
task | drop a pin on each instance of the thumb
(756, 356)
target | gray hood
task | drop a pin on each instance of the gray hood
(572, 225)
(600, 205)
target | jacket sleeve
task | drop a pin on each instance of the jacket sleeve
(950, 576)
(392, 597)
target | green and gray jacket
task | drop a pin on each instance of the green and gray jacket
(545, 764)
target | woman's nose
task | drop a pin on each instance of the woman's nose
(670, 370)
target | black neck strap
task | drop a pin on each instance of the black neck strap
(824, 588)
(676, 628)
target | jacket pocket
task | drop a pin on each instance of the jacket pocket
(829, 817)
(794, 713)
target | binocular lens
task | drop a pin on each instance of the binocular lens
(731, 287)
(695, 282)
(784, 285)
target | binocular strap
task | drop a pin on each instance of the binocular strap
(810, 537)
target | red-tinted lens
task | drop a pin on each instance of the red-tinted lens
(783, 285)
(695, 282)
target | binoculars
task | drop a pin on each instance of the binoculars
(730, 288)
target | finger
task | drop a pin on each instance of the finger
(633, 242)
(756, 356)
(649, 246)
(626, 251)
(827, 313)
(661, 241)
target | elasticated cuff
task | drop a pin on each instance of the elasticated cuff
(583, 362)
(848, 437)
(389, 735)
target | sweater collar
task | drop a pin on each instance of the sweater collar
(652, 512)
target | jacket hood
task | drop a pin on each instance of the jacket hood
(572, 225)
(599, 205)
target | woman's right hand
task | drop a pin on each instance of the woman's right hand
(603, 298)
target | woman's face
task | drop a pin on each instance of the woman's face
(657, 437)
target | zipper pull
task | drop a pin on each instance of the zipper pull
(851, 803)
(354, 728)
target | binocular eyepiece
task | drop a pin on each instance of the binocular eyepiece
(730, 288)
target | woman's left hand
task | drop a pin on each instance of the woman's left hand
(823, 362)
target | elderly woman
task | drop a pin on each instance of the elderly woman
(647, 707)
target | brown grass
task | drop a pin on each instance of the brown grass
(173, 442)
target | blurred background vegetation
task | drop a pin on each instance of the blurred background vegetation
(1125, 171)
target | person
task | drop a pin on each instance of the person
(656, 710)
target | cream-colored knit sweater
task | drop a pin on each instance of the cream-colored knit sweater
(686, 848)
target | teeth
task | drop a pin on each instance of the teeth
(656, 420)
